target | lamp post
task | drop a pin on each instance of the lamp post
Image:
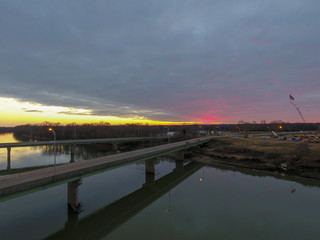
(54, 151)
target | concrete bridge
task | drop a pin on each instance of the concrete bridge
(23, 183)
(23, 169)
(113, 141)
(103, 221)
(79, 141)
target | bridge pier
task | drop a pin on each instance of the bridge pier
(72, 150)
(178, 155)
(73, 195)
(115, 146)
(150, 171)
(8, 158)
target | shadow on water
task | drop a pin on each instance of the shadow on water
(108, 218)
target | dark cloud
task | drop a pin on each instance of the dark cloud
(74, 113)
(32, 111)
(164, 60)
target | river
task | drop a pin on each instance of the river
(211, 203)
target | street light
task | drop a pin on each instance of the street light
(54, 151)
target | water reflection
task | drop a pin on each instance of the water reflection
(105, 220)
(79, 152)
(295, 180)
(7, 138)
(226, 204)
(68, 153)
(216, 202)
(41, 156)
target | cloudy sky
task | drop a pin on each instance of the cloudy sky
(170, 60)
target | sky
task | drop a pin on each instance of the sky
(151, 61)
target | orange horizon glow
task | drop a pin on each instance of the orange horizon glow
(14, 113)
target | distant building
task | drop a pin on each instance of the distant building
(203, 133)
(265, 137)
(171, 134)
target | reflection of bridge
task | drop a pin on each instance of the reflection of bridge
(105, 220)
(72, 173)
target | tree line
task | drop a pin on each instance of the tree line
(6, 129)
(105, 130)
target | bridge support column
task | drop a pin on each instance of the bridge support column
(8, 158)
(73, 195)
(179, 155)
(150, 172)
(114, 146)
(72, 150)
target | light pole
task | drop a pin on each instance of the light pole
(54, 151)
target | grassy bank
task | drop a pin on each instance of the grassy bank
(283, 157)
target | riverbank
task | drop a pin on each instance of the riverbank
(280, 157)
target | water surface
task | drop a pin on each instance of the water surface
(211, 203)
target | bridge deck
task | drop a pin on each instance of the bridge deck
(79, 141)
(20, 182)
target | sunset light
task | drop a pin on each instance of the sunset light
(14, 112)
(159, 119)
(175, 69)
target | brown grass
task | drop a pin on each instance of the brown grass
(269, 145)
(273, 155)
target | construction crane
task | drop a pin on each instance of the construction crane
(297, 109)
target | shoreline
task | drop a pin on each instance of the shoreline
(222, 166)
(229, 152)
